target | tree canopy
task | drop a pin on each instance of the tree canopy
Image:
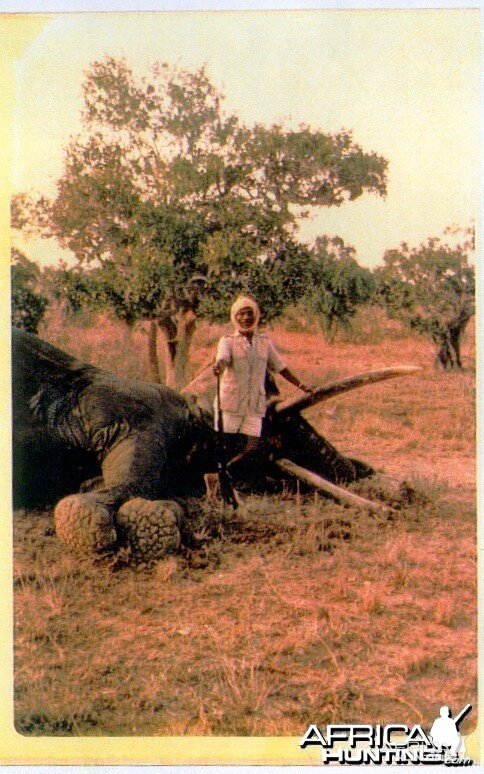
(28, 305)
(338, 284)
(171, 196)
(431, 288)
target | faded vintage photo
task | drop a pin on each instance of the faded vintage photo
(243, 358)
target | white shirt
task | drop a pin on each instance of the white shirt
(242, 388)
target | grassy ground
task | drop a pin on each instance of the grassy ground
(293, 612)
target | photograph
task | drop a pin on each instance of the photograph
(242, 272)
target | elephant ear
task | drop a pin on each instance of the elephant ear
(150, 528)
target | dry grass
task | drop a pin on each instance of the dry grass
(295, 611)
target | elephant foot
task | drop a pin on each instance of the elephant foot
(84, 525)
(150, 527)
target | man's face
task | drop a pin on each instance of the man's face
(245, 318)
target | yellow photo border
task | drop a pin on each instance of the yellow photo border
(17, 32)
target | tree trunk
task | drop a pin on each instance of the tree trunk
(455, 339)
(448, 355)
(177, 337)
(186, 324)
(456, 334)
(153, 362)
(168, 332)
(128, 332)
(444, 358)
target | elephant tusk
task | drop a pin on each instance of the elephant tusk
(293, 405)
(318, 482)
(197, 376)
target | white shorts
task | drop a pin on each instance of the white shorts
(249, 424)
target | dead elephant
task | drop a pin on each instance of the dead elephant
(146, 446)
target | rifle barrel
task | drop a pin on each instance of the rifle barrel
(462, 714)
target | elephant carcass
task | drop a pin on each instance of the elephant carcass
(73, 421)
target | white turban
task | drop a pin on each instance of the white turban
(241, 303)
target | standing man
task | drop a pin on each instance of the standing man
(241, 364)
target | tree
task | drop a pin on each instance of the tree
(74, 287)
(338, 284)
(172, 196)
(431, 288)
(28, 305)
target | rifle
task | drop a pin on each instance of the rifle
(226, 486)
(462, 714)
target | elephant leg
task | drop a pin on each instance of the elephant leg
(84, 525)
(135, 467)
(84, 522)
(135, 475)
(151, 528)
(120, 513)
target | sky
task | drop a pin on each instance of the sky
(405, 82)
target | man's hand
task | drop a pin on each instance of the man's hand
(306, 388)
(292, 378)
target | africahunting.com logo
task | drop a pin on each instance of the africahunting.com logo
(394, 743)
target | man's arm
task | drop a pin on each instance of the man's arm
(290, 377)
(274, 363)
(223, 356)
